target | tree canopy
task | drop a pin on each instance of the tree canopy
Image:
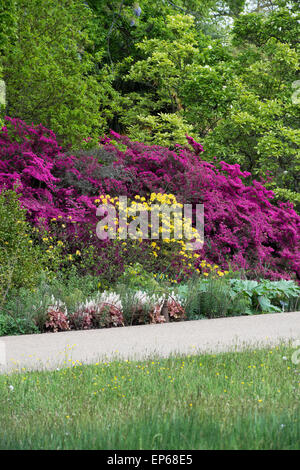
(223, 71)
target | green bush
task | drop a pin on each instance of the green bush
(21, 259)
(212, 298)
(136, 277)
(268, 296)
(16, 326)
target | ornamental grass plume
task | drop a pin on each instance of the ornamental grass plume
(105, 310)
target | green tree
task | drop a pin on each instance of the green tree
(155, 113)
(224, 71)
(2, 99)
(261, 129)
(49, 75)
(181, 84)
(8, 23)
(121, 24)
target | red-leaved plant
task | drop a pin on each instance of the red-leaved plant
(57, 319)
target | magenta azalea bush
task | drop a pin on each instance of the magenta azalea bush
(244, 227)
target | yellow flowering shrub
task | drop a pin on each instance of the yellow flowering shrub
(163, 246)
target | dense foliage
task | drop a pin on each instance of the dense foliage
(244, 228)
(225, 72)
(21, 260)
(49, 74)
(165, 102)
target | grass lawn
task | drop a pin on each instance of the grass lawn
(239, 400)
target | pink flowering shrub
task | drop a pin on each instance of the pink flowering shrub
(244, 227)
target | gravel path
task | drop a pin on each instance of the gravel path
(55, 350)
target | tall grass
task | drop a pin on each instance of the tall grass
(237, 400)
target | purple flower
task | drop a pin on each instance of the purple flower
(244, 227)
(137, 11)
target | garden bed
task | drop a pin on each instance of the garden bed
(139, 298)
